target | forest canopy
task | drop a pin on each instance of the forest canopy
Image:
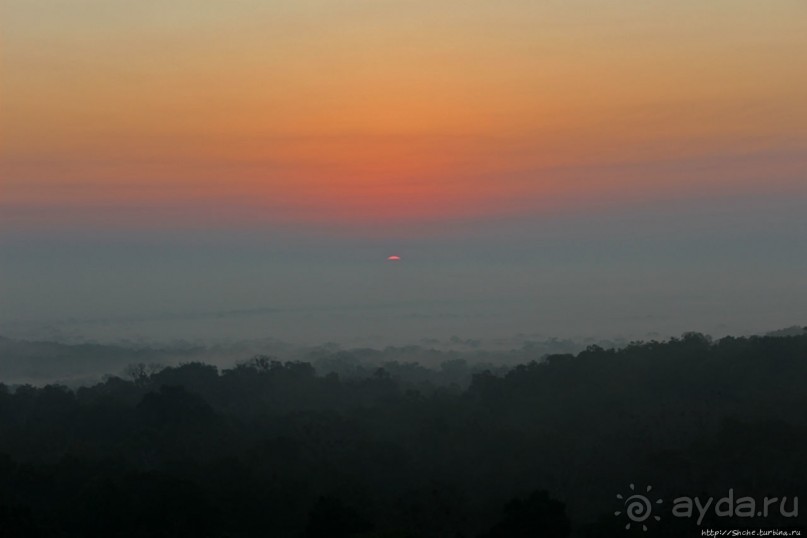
(281, 448)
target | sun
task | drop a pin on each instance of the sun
(393, 258)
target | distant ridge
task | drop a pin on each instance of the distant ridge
(795, 330)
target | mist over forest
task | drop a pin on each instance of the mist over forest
(74, 363)
(442, 441)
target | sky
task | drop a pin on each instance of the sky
(205, 169)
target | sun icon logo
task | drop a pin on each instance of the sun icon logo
(638, 507)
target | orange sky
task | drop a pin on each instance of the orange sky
(373, 111)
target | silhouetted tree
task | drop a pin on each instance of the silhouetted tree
(330, 518)
(537, 515)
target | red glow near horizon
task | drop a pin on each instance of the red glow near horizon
(352, 131)
(394, 258)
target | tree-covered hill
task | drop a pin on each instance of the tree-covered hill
(270, 448)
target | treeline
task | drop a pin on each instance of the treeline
(271, 448)
(84, 363)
